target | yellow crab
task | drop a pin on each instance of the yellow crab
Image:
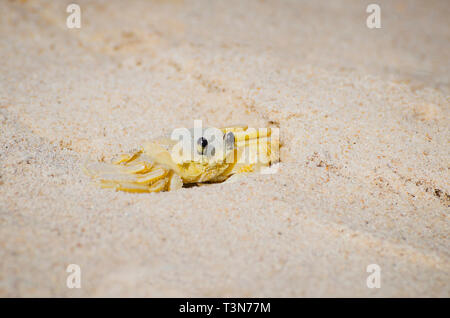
(201, 156)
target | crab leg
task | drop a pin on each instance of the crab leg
(133, 173)
(133, 187)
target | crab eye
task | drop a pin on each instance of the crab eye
(202, 142)
(229, 139)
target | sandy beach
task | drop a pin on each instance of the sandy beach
(365, 156)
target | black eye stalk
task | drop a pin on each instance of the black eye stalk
(202, 144)
(229, 140)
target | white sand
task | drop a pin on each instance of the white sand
(364, 122)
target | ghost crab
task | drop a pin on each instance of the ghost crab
(201, 156)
